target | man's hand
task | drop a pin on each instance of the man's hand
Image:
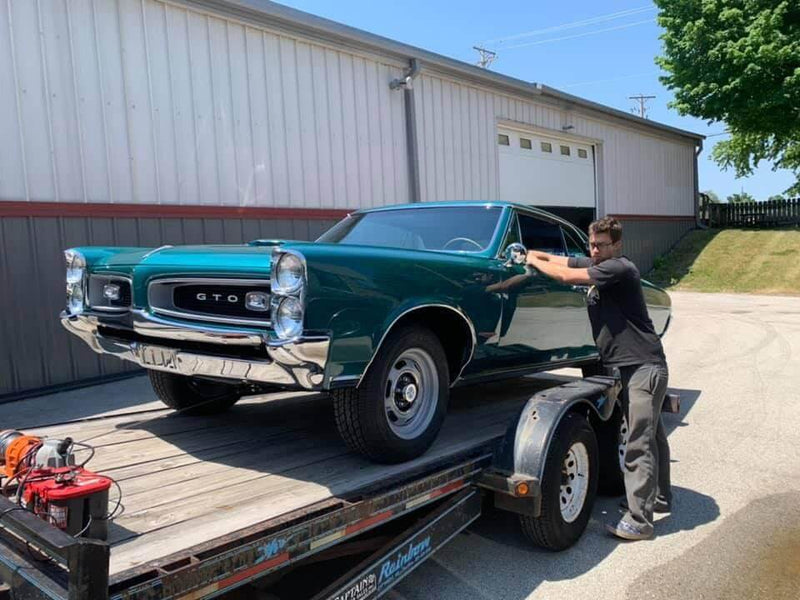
(534, 255)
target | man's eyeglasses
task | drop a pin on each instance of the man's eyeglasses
(600, 245)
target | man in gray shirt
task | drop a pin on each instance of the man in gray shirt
(625, 339)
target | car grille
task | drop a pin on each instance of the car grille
(225, 300)
(98, 301)
(211, 300)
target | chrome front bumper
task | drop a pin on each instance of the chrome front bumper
(299, 363)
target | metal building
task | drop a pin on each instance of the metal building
(142, 122)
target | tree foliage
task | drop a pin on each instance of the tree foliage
(713, 197)
(738, 62)
(739, 198)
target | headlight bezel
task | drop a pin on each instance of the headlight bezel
(76, 276)
(281, 294)
(297, 266)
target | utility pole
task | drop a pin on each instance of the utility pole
(487, 57)
(642, 99)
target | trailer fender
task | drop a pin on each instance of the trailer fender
(522, 452)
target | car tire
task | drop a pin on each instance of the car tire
(611, 439)
(396, 412)
(192, 396)
(569, 486)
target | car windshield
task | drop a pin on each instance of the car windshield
(450, 228)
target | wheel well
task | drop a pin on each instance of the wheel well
(450, 327)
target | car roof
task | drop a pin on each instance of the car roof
(467, 203)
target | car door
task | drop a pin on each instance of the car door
(577, 246)
(544, 320)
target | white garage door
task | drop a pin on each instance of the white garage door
(545, 171)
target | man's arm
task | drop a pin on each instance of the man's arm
(561, 272)
(544, 256)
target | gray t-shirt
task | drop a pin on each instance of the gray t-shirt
(621, 326)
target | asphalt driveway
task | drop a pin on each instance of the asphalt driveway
(735, 529)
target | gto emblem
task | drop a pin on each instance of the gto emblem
(232, 298)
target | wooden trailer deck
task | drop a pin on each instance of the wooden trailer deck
(187, 480)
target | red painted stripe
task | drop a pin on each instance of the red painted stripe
(653, 217)
(160, 211)
(367, 522)
(448, 488)
(247, 573)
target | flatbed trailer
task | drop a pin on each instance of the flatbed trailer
(268, 491)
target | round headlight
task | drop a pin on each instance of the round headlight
(289, 273)
(288, 320)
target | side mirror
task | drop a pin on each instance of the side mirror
(515, 254)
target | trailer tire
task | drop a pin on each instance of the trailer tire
(377, 419)
(611, 439)
(192, 396)
(565, 511)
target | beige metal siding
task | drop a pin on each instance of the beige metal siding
(642, 173)
(140, 101)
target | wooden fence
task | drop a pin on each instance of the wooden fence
(774, 213)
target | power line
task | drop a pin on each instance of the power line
(573, 24)
(642, 99)
(578, 35)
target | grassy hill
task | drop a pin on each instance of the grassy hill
(732, 260)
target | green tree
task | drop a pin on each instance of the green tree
(738, 62)
(776, 197)
(713, 198)
(739, 198)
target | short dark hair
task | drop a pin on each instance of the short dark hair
(607, 225)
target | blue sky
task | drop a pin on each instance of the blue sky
(605, 60)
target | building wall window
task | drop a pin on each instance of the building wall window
(503, 140)
(546, 147)
(564, 150)
(582, 153)
(525, 143)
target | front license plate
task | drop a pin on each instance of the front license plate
(155, 356)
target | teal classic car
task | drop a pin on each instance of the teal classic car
(387, 311)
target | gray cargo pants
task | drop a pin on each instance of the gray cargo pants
(647, 454)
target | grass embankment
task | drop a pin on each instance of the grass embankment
(732, 260)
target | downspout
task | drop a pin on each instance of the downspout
(412, 148)
(697, 221)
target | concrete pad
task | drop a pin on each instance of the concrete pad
(735, 529)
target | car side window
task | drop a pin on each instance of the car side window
(575, 247)
(512, 235)
(541, 235)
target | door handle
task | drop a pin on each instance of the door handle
(584, 289)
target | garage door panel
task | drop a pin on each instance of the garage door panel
(544, 171)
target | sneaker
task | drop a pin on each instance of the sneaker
(626, 531)
(659, 507)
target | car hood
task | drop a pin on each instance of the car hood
(252, 258)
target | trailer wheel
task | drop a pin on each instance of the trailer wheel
(396, 412)
(192, 396)
(569, 486)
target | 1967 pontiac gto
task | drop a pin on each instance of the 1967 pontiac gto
(386, 311)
